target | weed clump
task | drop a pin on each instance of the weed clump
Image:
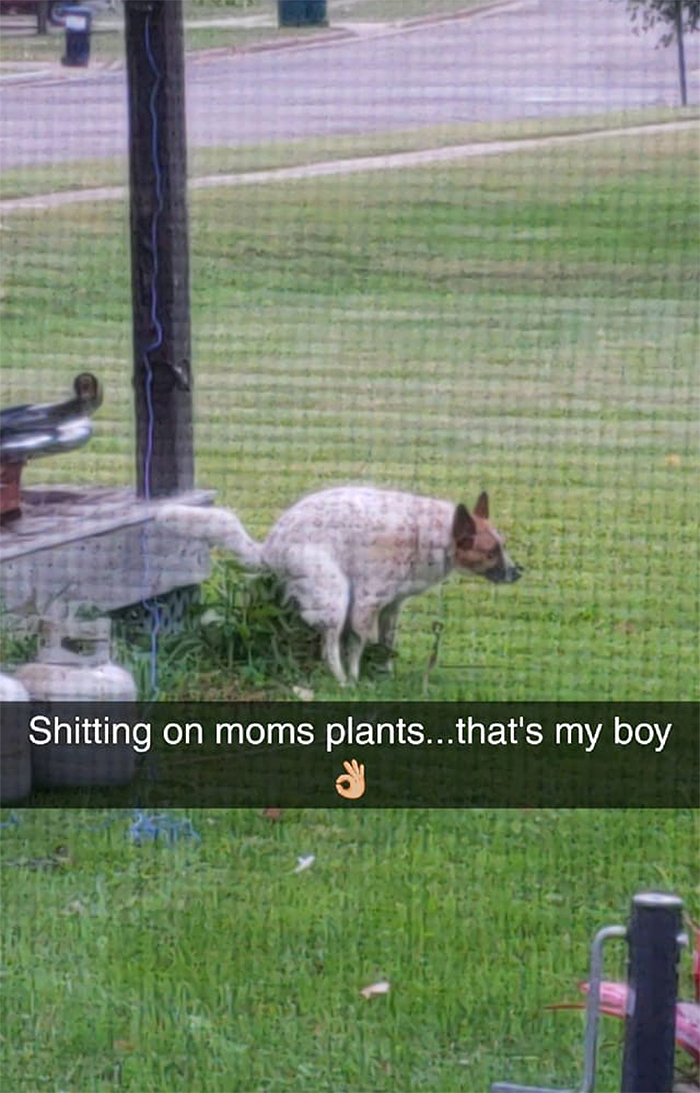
(238, 635)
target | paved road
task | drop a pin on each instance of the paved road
(531, 59)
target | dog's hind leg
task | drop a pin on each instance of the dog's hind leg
(322, 594)
(388, 619)
(331, 652)
(356, 647)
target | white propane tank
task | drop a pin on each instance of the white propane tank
(15, 749)
(73, 666)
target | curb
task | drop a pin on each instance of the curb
(457, 16)
(58, 73)
(26, 77)
(272, 46)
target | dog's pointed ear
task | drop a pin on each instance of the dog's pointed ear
(481, 508)
(463, 526)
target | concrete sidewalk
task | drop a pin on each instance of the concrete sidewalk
(355, 165)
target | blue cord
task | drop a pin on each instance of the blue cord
(150, 606)
(157, 326)
(162, 827)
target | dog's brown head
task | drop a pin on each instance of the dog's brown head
(478, 546)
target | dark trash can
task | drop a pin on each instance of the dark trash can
(78, 24)
(302, 13)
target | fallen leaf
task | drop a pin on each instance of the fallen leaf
(76, 907)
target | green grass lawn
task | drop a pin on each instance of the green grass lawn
(525, 324)
(213, 968)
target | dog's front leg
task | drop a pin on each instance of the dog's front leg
(331, 653)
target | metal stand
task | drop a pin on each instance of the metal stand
(590, 1036)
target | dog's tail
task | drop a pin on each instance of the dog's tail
(218, 527)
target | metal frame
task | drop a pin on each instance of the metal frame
(590, 1036)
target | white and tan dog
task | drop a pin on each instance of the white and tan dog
(349, 557)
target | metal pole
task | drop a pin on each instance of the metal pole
(42, 17)
(654, 932)
(681, 51)
(159, 246)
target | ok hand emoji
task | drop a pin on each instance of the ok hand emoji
(352, 784)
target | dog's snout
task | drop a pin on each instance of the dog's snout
(513, 572)
(508, 573)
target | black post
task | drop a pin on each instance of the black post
(42, 17)
(159, 246)
(654, 929)
(681, 51)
